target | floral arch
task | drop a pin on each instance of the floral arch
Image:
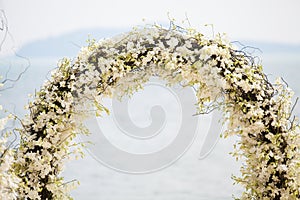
(226, 78)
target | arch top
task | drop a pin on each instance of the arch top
(121, 64)
(175, 56)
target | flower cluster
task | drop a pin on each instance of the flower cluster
(8, 179)
(260, 113)
(256, 110)
(46, 138)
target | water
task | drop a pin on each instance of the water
(187, 179)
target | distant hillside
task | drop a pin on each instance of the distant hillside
(267, 47)
(69, 44)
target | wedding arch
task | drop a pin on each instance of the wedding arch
(254, 109)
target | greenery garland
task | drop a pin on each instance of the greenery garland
(256, 110)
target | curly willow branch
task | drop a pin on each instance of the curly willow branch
(255, 109)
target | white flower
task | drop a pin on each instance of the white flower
(3, 121)
(172, 42)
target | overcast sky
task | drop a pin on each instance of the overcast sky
(261, 20)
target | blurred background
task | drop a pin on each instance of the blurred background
(34, 35)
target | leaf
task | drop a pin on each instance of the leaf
(100, 109)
